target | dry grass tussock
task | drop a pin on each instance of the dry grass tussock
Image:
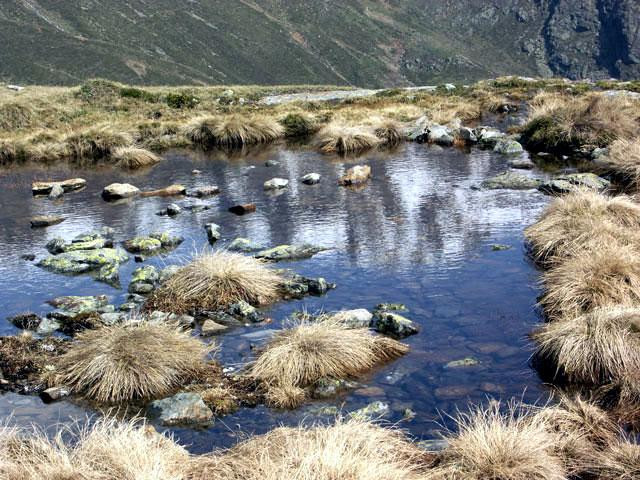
(562, 121)
(16, 115)
(106, 450)
(390, 133)
(233, 131)
(298, 357)
(511, 445)
(96, 142)
(619, 461)
(347, 450)
(588, 280)
(450, 109)
(599, 347)
(624, 157)
(137, 360)
(133, 158)
(577, 219)
(345, 140)
(215, 280)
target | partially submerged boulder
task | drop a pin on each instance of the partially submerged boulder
(289, 252)
(86, 241)
(213, 232)
(243, 245)
(243, 208)
(71, 306)
(507, 146)
(117, 191)
(356, 318)
(204, 191)
(153, 243)
(511, 180)
(276, 184)
(144, 280)
(393, 324)
(356, 175)
(181, 409)
(42, 221)
(311, 178)
(171, 190)
(574, 182)
(69, 185)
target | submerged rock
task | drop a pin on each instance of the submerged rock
(311, 178)
(243, 245)
(170, 191)
(371, 412)
(105, 261)
(511, 180)
(394, 307)
(356, 175)
(463, 362)
(117, 191)
(243, 209)
(69, 185)
(276, 184)
(205, 191)
(393, 324)
(522, 164)
(289, 252)
(213, 232)
(574, 181)
(497, 247)
(46, 221)
(507, 146)
(181, 409)
(330, 387)
(210, 327)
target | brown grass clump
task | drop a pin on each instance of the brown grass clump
(389, 133)
(619, 461)
(96, 143)
(588, 280)
(596, 348)
(345, 140)
(130, 361)
(298, 357)
(216, 280)
(133, 158)
(574, 220)
(233, 131)
(347, 450)
(15, 115)
(489, 444)
(565, 122)
(624, 157)
(106, 450)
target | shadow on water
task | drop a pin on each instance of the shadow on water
(418, 234)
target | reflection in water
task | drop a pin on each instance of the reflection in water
(419, 233)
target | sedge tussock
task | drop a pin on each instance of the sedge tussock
(595, 348)
(342, 140)
(298, 357)
(389, 133)
(233, 131)
(578, 218)
(215, 280)
(135, 360)
(511, 445)
(347, 450)
(108, 449)
(133, 158)
(624, 157)
(588, 280)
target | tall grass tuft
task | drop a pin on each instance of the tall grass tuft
(136, 360)
(300, 356)
(233, 131)
(336, 139)
(133, 158)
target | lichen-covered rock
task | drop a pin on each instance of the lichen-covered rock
(104, 261)
(393, 324)
(573, 182)
(512, 181)
(181, 409)
(117, 191)
(144, 280)
(71, 306)
(463, 362)
(289, 252)
(330, 387)
(245, 312)
(371, 412)
(357, 318)
(507, 146)
(58, 245)
(356, 175)
(145, 245)
(243, 245)
(205, 191)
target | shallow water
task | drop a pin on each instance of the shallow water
(417, 234)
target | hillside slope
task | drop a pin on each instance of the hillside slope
(358, 42)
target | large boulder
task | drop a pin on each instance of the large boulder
(574, 181)
(117, 191)
(511, 180)
(181, 409)
(507, 146)
(440, 135)
(356, 175)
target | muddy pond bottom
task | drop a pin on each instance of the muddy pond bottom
(419, 233)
